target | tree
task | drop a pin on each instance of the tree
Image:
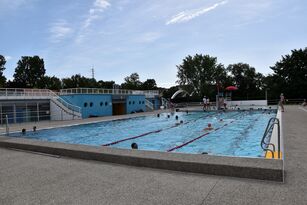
(29, 72)
(290, 75)
(132, 82)
(149, 84)
(248, 81)
(105, 84)
(78, 81)
(52, 83)
(200, 74)
(2, 68)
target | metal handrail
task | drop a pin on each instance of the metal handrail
(269, 128)
(72, 107)
(149, 104)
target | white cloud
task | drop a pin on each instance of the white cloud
(149, 37)
(185, 16)
(7, 58)
(95, 12)
(60, 30)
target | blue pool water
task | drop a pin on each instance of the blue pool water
(234, 133)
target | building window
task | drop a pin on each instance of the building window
(143, 102)
(91, 104)
(139, 102)
(106, 103)
(129, 102)
(133, 102)
(101, 104)
(85, 104)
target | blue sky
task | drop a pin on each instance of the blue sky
(151, 37)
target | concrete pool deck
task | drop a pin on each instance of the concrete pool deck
(29, 178)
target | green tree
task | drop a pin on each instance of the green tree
(29, 72)
(248, 81)
(52, 83)
(2, 68)
(200, 74)
(149, 84)
(105, 84)
(132, 82)
(78, 81)
(290, 75)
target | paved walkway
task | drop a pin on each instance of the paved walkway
(28, 178)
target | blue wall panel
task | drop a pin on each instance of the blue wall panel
(135, 103)
(91, 104)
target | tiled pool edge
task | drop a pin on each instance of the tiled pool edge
(254, 168)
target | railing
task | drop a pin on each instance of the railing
(149, 104)
(8, 93)
(12, 117)
(147, 93)
(70, 106)
(165, 103)
(268, 131)
(296, 101)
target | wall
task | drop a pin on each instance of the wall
(91, 104)
(135, 103)
(247, 102)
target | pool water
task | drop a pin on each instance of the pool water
(233, 133)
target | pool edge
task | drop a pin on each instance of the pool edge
(254, 168)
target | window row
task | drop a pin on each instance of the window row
(91, 104)
(133, 102)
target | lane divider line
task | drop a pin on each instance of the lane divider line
(201, 136)
(151, 132)
(197, 138)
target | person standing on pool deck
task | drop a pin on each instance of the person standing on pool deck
(205, 103)
(281, 102)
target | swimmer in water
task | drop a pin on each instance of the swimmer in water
(209, 127)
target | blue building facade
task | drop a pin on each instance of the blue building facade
(92, 105)
(135, 103)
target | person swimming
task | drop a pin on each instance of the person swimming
(209, 127)
(23, 131)
(134, 145)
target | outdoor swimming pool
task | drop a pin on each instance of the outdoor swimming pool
(234, 133)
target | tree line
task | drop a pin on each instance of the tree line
(31, 73)
(201, 75)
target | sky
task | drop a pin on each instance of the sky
(150, 37)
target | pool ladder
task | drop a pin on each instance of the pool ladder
(269, 130)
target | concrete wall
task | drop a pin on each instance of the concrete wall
(135, 103)
(91, 104)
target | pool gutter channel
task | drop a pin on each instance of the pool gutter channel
(254, 168)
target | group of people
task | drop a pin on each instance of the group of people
(206, 105)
